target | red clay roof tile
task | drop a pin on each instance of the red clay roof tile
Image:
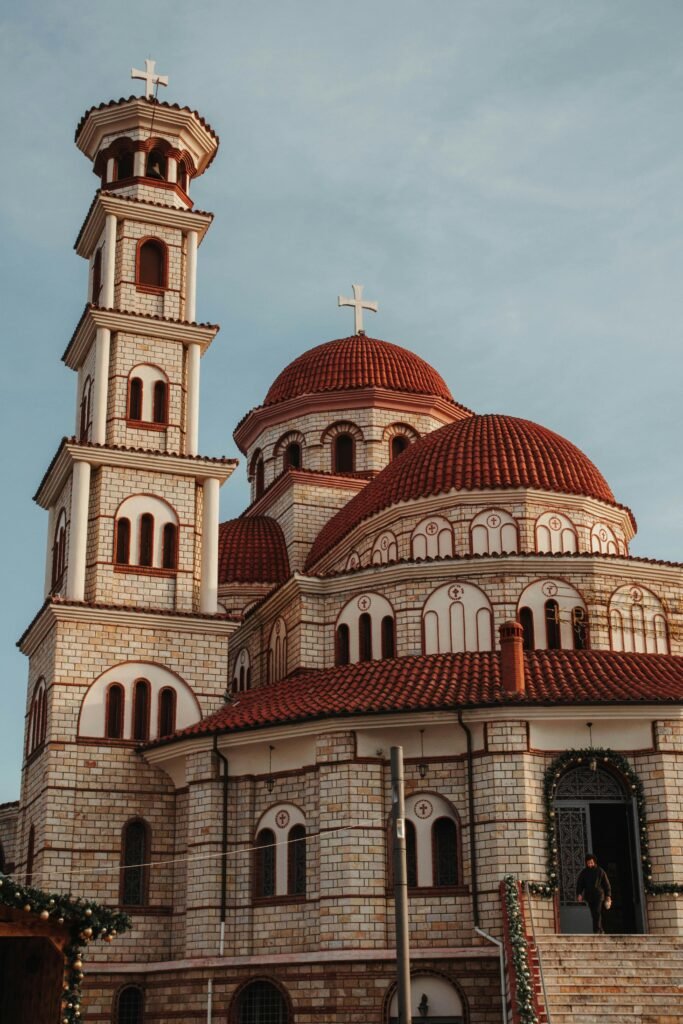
(252, 550)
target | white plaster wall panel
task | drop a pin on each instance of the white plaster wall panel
(555, 533)
(442, 998)
(378, 608)
(93, 708)
(423, 809)
(277, 651)
(149, 375)
(385, 549)
(626, 734)
(432, 538)
(494, 531)
(458, 617)
(567, 599)
(604, 541)
(241, 671)
(133, 508)
(638, 621)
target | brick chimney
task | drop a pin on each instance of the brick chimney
(512, 657)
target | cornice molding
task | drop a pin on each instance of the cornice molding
(137, 210)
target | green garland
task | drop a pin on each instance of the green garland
(84, 921)
(571, 758)
(524, 989)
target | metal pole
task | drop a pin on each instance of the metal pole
(400, 886)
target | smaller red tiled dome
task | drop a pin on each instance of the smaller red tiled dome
(471, 454)
(357, 362)
(252, 550)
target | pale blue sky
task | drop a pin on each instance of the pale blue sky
(504, 177)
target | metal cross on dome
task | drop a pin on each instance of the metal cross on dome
(149, 77)
(358, 306)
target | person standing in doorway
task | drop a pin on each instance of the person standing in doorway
(593, 888)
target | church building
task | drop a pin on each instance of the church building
(211, 706)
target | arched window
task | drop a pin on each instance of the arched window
(59, 551)
(603, 540)
(258, 475)
(343, 645)
(264, 872)
(580, 628)
(113, 727)
(169, 546)
(141, 694)
(241, 673)
(125, 164)
(277, 651)
(399, 443)
(492, 532)
(457, 617)
(30, 854)
(135, 399)
(183, 175)
(432, 538)
(261, 1003)
(159, 404)
(343, 454)
(151, 264)
(146, 546)
(36, 731)
(364, 637)
(85, 428)
(156, 165)
(296, 861)
(552, 626)
(385, 549)
(555, 533)
(167, 706)
(445, 852)
(292, 457)
(638, 621)
(388, 639)
(526, 621)
(123, 541)
(135, 850)
(130, 1005)
(411, 854)
(96, 278)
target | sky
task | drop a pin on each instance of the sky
(504, 178)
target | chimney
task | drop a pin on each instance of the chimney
(512, 657)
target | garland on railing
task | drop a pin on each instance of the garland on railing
(523, 983)
(83, 919)
(553, 774)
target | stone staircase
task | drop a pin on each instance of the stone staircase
(612, 979)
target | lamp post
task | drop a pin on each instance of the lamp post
(398, 815)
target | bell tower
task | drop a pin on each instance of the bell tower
(130, 643)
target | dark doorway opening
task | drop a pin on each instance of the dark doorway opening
(612, 833)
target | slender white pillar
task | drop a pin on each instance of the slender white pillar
(110, 169)
(208, 587)
(79, 399)
(171, 169)
(107, 293)
(139, 163)
(191, 277)
(192, 436)
(78, 531)
(99, 412)
(49, 553)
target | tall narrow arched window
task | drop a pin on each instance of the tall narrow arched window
(123, 541)
(388, 640)
(445, 852)
(141, 693)
(399, 443)
(146, 554)
(125, 163)
(130, 1005)
(526, 621)
(167, 711)
(96, 278)
(30, 854)
(135, 850)
(365, 637)
(151, 264)
(552, 625)
(293, 456)
(113, 725)
(579, 628)
(261, 1003)
(85, 427)
(343, 645)
(169, 546)
(135, 399)
(411, 854)
(159, 402)
(264, 872)
(183, 176)
(59, 550)
(343, 454)
(296, 861)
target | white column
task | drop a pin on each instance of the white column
(110, 169)
(192, 426)
(101, 387)
(79, 399)
(139, 163)
(50, 543)
(208, 587)
(171, 169)
(191, 277)
(107, 293)
(78, 531)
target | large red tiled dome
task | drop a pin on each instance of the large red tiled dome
(252, 550)
(476, 453)
(357, 362)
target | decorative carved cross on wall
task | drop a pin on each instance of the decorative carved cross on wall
(150, 78)
(358, 306)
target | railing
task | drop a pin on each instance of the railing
(525, 997)
(539, 958)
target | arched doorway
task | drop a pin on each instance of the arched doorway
(433, 998)
(595, 813)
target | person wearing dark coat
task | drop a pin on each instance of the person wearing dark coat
(593, 888)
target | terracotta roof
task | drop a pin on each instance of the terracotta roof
(156, 103)
(475, 453)
(252, 550)
(356, 362)
(441, 682)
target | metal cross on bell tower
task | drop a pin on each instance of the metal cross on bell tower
(150, 78)
(358, 306)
